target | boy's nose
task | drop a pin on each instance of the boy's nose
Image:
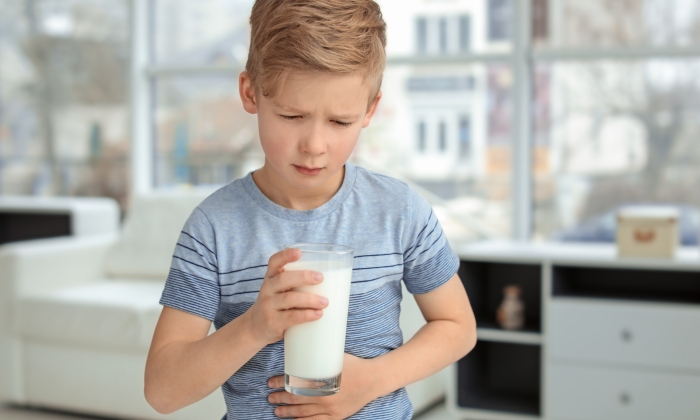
(314, 142)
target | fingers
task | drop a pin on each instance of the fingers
(305, 411)
(291, 279)
(276, 382)
(299, 300)
(297, 405)
(316, 417)
(297, 410)
(299, 316)
(284, 397)
(277, 262)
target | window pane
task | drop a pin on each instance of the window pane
(216, 31)
(63, 97)
(614, 133)
(465, 34)
(447, 130)
(439, 28)
(618, 23)
(189, 32)
(204, 136)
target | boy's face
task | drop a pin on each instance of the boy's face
(310, 127)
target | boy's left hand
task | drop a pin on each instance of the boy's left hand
(355, 392)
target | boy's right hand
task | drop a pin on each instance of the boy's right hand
(278, 307)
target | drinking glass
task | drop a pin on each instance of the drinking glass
(313, 351)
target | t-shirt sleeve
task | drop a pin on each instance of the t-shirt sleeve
(193, 281)
(429, 261)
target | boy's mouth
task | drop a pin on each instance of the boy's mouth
(307, 171)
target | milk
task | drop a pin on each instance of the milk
(314, 350)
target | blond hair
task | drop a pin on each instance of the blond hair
(330, 36)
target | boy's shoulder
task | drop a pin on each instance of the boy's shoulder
(225, 199)
(391, 190)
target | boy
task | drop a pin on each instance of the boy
(312, 77)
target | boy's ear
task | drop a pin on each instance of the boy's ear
(245, 89)
(371, 110)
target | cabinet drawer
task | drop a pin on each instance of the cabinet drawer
(585, 393)
(648, 334)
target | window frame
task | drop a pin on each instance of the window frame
(522, 58)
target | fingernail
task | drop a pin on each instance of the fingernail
(318, 277)
(318, 312)
(323, 300)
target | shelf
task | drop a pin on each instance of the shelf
(576, 254)
(626, 284)
(484, 283)
(504, 336)
(502, 374)
(500, 377)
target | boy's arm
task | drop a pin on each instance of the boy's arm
(449, 335)
(185, 365)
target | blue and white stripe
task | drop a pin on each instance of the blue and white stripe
(221, 258)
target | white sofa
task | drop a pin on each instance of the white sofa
(77, 315)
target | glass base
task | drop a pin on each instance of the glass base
(312, 387)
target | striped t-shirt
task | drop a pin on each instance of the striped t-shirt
(221, 258)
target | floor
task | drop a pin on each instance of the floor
(16, 413)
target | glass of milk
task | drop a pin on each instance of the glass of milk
(313, 351)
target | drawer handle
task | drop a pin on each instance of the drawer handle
(626, 335)
(625, 398)
(644, 236)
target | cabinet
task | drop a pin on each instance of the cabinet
(605, 337)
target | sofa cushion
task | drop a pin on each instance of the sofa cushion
(151, 229)
(114, 314)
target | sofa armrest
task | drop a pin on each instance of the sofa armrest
(48, 264)
(40, 266)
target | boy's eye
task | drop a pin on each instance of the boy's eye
(290, 117)
(343, 124)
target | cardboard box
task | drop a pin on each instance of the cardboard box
(647, 231)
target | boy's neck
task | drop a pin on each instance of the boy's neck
(281, 193)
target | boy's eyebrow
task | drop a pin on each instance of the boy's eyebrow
(293, 110)
(287, 108)
(345, 117)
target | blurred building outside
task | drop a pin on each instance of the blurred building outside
(447, 127)
(619, 130)
(605, 132)
(63, 91)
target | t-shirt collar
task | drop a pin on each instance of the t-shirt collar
(302, 215)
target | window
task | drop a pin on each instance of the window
(443, 35)
(610, 131)
(612, 120)
(464, 34)
(421, 136)
(64, 83)
(443, 137)
(421, 35)
(499, 19)
(203, 136)
(464, 136)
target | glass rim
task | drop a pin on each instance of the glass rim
(321, 248)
